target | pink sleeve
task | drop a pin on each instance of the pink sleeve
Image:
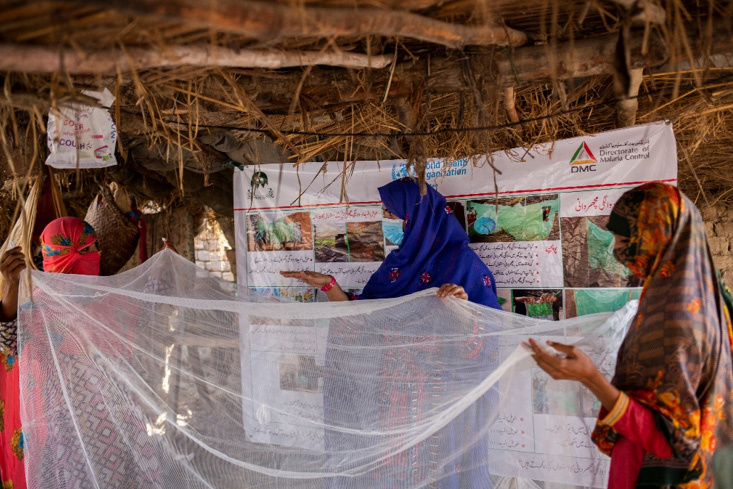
(636, 422)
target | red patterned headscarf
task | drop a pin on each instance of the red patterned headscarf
(63, 240)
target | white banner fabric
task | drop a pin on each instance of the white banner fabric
(538, 222)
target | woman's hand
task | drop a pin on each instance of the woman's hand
(11, 264)
(547, 297)
(452, 290)
(314, 279)
(575, 366)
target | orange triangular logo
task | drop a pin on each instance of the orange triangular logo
(583, 155)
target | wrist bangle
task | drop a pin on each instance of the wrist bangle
(329, 285)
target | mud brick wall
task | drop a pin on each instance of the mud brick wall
(211, 252)
(719, 227)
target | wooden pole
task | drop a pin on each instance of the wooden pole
(511, 109)
(629, 104)
(275, 22)
(45, 59)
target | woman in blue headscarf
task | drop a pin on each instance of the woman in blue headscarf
(434, 252)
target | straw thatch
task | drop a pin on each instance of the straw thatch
(201, 86)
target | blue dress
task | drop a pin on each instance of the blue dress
(382, 389)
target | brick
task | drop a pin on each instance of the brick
(228, 276)
(727, 273)
(220, 266)
(212, 266)
(719, 245)
(198, 244)
(724, 263)
(726, 213)
(709, 229)
(709, 213)
(202, 255)
(724, 229)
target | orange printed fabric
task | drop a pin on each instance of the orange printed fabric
(676, 356)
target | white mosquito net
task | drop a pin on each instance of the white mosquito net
(164, 377)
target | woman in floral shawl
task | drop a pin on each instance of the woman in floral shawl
(669, 404)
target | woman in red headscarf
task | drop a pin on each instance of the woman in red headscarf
(68, 246)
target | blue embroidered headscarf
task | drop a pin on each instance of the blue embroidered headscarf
(434, 249)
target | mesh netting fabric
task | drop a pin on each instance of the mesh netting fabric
(165, 377)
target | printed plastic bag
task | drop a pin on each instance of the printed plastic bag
(81, 136)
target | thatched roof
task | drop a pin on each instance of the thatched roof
(202, 85)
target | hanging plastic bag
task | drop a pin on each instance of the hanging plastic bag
(82, 136)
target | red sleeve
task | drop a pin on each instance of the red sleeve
(636, 422)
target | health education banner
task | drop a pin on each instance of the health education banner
(543, 236)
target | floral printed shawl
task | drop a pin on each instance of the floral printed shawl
(676, 356)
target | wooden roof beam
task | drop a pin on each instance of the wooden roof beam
(582, 58)
(520, 67)
(275, 22)
(48, 59)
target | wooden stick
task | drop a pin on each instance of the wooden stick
(275, 22)
(626, 107)
(511, 109)
(587, 57)
(44, 59)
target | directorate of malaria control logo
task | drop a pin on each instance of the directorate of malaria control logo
(583, 160)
